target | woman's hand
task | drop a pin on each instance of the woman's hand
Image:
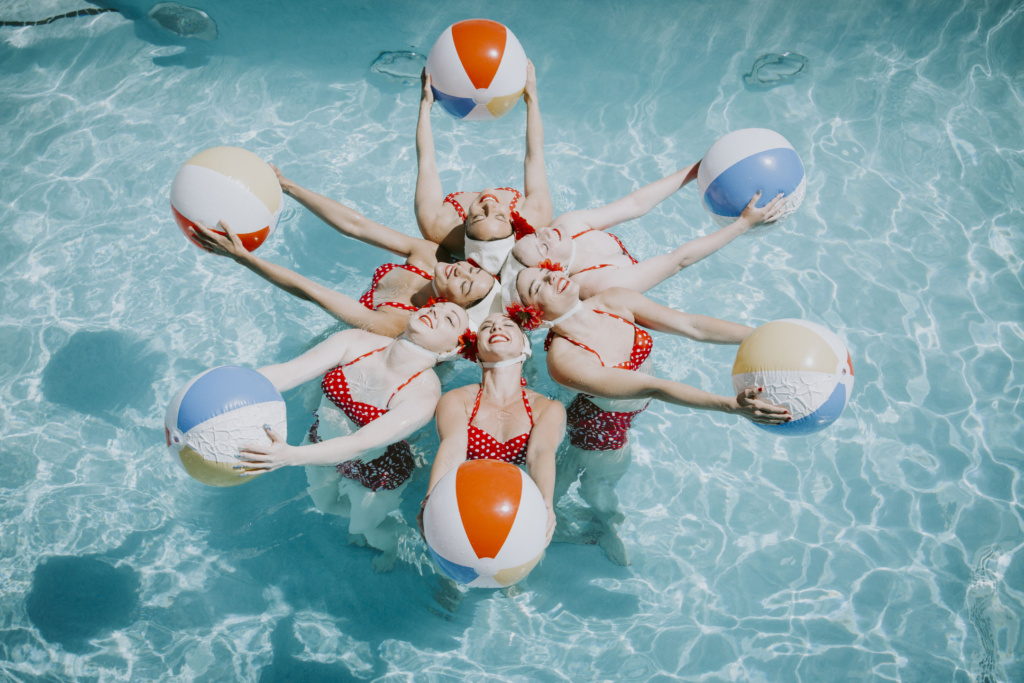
(227, 244)
(257, 458)
(769, 213)
(756, 410)
(530, 93)
(286, 185)
(427, 92)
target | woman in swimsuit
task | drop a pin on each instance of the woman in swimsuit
(378, 391)
(598, 348)
(397, 289)
(481, 225)
(499, 418)
(596, 260)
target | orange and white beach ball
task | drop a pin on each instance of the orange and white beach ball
(227, 184)
(477, 69)
(485, 524)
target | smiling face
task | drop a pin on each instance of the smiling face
(499, 338)
(437, 328)
(546, 243)
(487, 218)
(462, 283)
(548, 290)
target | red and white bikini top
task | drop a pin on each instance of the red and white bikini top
(367, 298)
(483, 446)
(622, 246)
(335, 387)
(642, 345)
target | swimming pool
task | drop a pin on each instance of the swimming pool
(886, 548)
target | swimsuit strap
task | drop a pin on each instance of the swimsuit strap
(526, 402)
(400, 387)
(625, 252)
(645, 342)
(367, 298)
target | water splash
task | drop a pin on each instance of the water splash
(403, 67)
(187, 22)
(772, 69)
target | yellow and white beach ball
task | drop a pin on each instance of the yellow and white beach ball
(802, 366)
(477, 69)
(227, 184)
(485, 524)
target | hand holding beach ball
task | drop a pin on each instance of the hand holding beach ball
(802, 366)
(485, 524)
(477, 70)
(744, 162)
(227, 184)
(215, 414)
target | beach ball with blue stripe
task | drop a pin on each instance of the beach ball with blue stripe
(216, 413)
(743, 162)
(477, 70)
(801, 365)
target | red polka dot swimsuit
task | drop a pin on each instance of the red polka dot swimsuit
(622, 246)
(385, 472)
(591, 427)
(483, 446)
(367, 298)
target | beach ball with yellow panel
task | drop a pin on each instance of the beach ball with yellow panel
(802, 366)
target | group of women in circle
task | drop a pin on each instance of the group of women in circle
(522, 269)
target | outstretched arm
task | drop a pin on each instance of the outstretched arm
(437, 222)
(629, 207)
(654, 316)
(344, 308)
(537, 207)
(642, 276)
(453, 430)
(570, 369)
(350, 222)
(398, 423)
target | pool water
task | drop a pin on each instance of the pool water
(889, 547)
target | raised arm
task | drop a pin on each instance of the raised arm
(346, 309)
(405, 418)
(654, 316)
(570, 368)
(437, 223)
(537, 207)
(548, 432)
(453, 431)
(631, 206)
(351, 223)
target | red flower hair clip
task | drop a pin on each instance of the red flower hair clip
(527, 317)
(520, 226)
(548, 264)
(467, 345)
(435, 300)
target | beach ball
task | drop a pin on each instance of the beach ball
(743, 162)
(477, 69)
(216, 413)
(230, 184)
(485, 524)
(802, 366)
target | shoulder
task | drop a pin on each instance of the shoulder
(459, 398)
(542, 405)
(616, 300)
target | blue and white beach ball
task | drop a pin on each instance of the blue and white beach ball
(477, 69)
(215, 414)
(802, 366)
(485, 524)
(743, 162)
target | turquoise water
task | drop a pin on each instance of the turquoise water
(887, 548)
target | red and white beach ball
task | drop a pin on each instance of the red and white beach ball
(802, 366)
(227, 184)
(477, 69)
(485, 524)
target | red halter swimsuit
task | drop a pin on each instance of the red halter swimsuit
(590, 427)
(483, 446)
(367, 298)
(385, 472)
(607, 265)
